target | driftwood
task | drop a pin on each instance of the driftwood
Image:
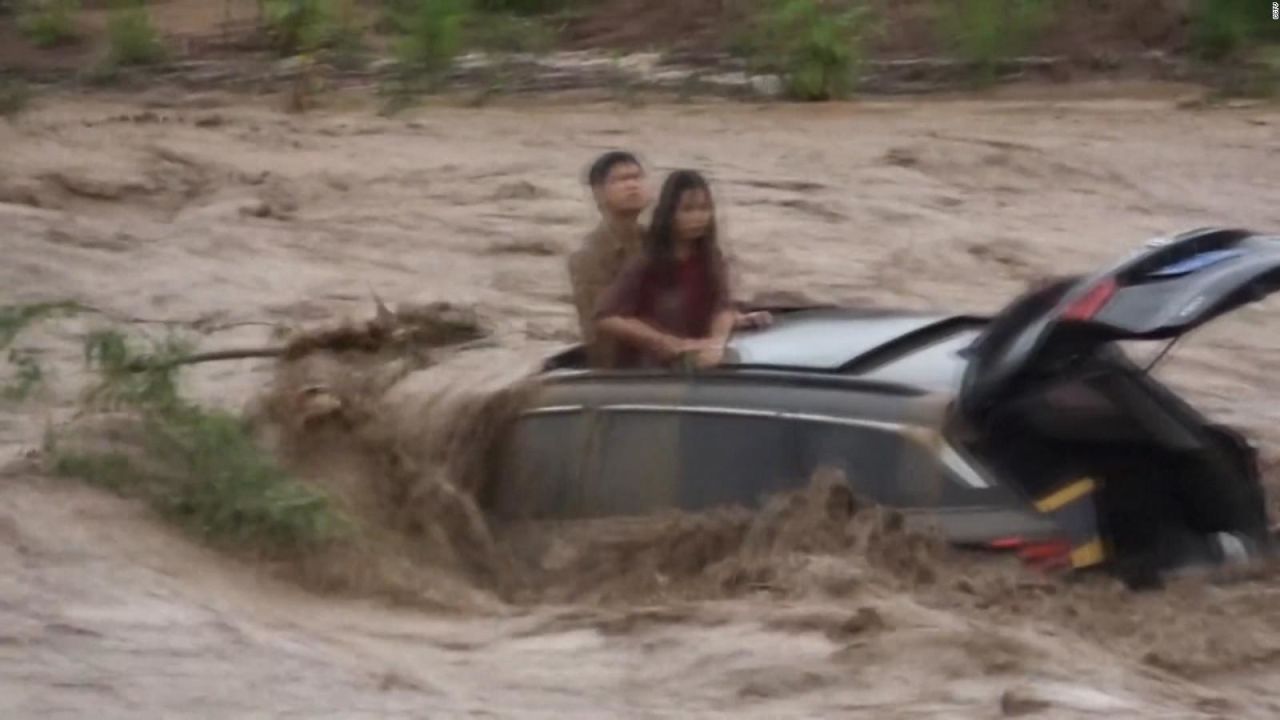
(267, 352)
(145, 365)
(411, 329)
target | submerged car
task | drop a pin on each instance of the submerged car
(1031, 431)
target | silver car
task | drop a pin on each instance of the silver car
(1030, 431)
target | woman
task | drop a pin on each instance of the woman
(672, 304)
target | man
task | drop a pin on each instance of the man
(620, 187)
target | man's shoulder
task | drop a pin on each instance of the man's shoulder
(600, 234)
(588, 247)
(592, 241)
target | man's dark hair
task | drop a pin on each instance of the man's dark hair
(604, 164)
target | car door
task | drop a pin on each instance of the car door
(628, 460)
(754, 434)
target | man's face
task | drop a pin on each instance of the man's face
(625, 190)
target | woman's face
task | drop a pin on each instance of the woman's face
(693, 215)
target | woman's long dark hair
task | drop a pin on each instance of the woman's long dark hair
(661, 242)
(700, 299)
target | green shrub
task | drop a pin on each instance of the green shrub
(816, 48)
(201, 468)
(432, 33)
(27, 376)
(48, 22)
(134, 40)
(15, 318)
(300, 25)
(984, 32)
(1222, 29)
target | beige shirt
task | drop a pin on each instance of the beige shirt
(593, 267)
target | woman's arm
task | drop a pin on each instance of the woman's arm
(724, 317)
(722, 325)
(640, 334)
(616, 312)
(711, 350)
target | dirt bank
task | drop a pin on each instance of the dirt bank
(681, 48)
(237, 223)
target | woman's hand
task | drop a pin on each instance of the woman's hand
(673, 347)
(701, 353)
(753, 320)
(709, 356)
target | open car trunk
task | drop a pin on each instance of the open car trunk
(1166, 488)
(1134, 476)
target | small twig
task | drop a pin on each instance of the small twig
(240, 323)
(144, 365)
(268, 352)
(197, 323)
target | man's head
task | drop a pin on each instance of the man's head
(619, 184)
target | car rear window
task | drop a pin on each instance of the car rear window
(939, 363)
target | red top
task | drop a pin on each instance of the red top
(679, 298)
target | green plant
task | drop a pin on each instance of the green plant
(985, 32)
(27, 377)
(48, 22)
(134, 40)
(300, 25)
(1223, 29)
(346, 41)
(15, 318)
(198, 467)
(127, 379)
(432, 34)
(348, 50)
(815, 47)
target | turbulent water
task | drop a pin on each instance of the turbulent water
(237, 224)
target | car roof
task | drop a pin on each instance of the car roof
(837, 339)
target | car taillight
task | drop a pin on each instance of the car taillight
(1039, 554)
(1091, 302)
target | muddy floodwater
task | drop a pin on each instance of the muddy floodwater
(229, 220)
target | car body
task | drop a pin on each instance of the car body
(1031, 430)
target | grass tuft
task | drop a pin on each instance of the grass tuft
(48, 23)
(816, 48)
(986, 32)
(27, 377)
(134, 40)
(1230, 29)
(199, 467)
(15, 318)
